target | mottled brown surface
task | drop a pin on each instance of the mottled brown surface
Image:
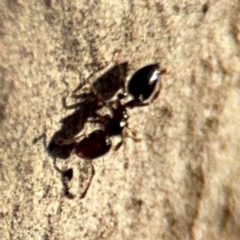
(182, 180)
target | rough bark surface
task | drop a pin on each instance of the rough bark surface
(181, 181)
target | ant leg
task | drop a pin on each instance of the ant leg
(66, 176)
(95, 121)
(119, 144)
(122, 69)
(133, 134)
(135, 103)
(126, 134)
(96, 117)
(80, 86)
(43, 137)
(61, 141)
(89, 183)
(117, 72)
(159, 87)
(157, 92)
(73, 106)
(81, 99)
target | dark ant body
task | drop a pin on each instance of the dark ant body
(93, 145)
(145, 83)
(98, 142)
(142, 85)
(115, 122)
(87, 105)
(89, 148)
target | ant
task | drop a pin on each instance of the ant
(107, 85)
(98, 142)
(141, 86)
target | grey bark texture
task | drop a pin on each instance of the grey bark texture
(181, 181)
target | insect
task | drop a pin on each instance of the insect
(98, 142)
(115, 122)
(66, 177)
(91, 147)
(107, 85)
(145, 83)
(87, 104)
